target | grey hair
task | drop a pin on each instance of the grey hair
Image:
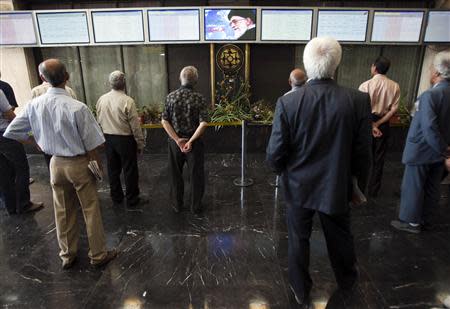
(322, 57)
(441, 64)
(189, 76)
(117, 80)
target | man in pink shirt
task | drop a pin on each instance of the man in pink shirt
(384, 96)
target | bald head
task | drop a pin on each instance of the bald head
(54, 72)
(297, 78)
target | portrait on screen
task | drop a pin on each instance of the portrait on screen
(230, 24)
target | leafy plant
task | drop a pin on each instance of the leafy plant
(404, 112)
(233, 101)
(262, 111)
(150, 114)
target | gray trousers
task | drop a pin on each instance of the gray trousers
(420, 192)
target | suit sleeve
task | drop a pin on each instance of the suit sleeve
(362, 145)
(277, 149)
(429, 120)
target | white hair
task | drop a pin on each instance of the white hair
(189, 76)
(117, 80)
(441, 64)
(321, 57)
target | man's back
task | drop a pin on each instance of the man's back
(384, 93)
(429, 133)
(323, 124)
(185, 109)
(114, 111)
(62, 125)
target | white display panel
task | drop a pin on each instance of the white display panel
(286, 25)
(345, 25)
(174, 25)
(63, 27)
(118, 26)
(397, 26)
(438, 27)
(17, 29)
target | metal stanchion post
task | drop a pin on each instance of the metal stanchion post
(243, 181)
(276, 182)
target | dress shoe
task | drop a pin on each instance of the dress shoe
(110, 255)
(406, 227)
(68, 264)
(34, 206)
(141, 200)
(30, 181)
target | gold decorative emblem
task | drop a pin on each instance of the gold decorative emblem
(229, 59)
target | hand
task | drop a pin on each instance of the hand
(447, 164)
(181, 142)
(187, 147)
(376, 132)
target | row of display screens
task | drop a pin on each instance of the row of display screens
(220, 24)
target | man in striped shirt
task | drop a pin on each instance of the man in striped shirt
(67, 130)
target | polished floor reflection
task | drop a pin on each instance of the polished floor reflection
(233, 256)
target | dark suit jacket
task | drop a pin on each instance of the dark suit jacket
(9, 93)
(429, 133)
(321, 136)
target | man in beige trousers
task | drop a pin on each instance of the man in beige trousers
(65, 128)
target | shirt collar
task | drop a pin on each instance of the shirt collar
(378, 75)
(186, 87)
(55, 90)
(442, 82)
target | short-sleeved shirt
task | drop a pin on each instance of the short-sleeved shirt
(384, 93)
(4, 107)
(61, 125)
(185, 109)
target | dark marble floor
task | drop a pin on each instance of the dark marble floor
(234, 256)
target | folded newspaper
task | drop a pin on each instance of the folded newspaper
(95, 169)
(358, 197)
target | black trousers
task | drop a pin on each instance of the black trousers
(121, 154)
(339, 239)
(379, 148)
(195, 163)
(7, 179)
(14, 152)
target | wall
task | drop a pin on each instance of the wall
(14, 64)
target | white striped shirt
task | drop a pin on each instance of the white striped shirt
(60, 125)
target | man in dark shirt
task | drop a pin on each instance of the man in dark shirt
(185, 118)
(9, 92)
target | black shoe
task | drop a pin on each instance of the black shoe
(68, 264)
(33, 206)
(117, 203)
(406, 227)
(141, 200)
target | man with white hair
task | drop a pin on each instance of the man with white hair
(296, 80)
(426, 148)
(118, 118)
(185, 118)
(321, 136)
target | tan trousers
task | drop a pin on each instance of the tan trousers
(71, 179)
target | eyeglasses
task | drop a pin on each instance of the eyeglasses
(236, 20)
